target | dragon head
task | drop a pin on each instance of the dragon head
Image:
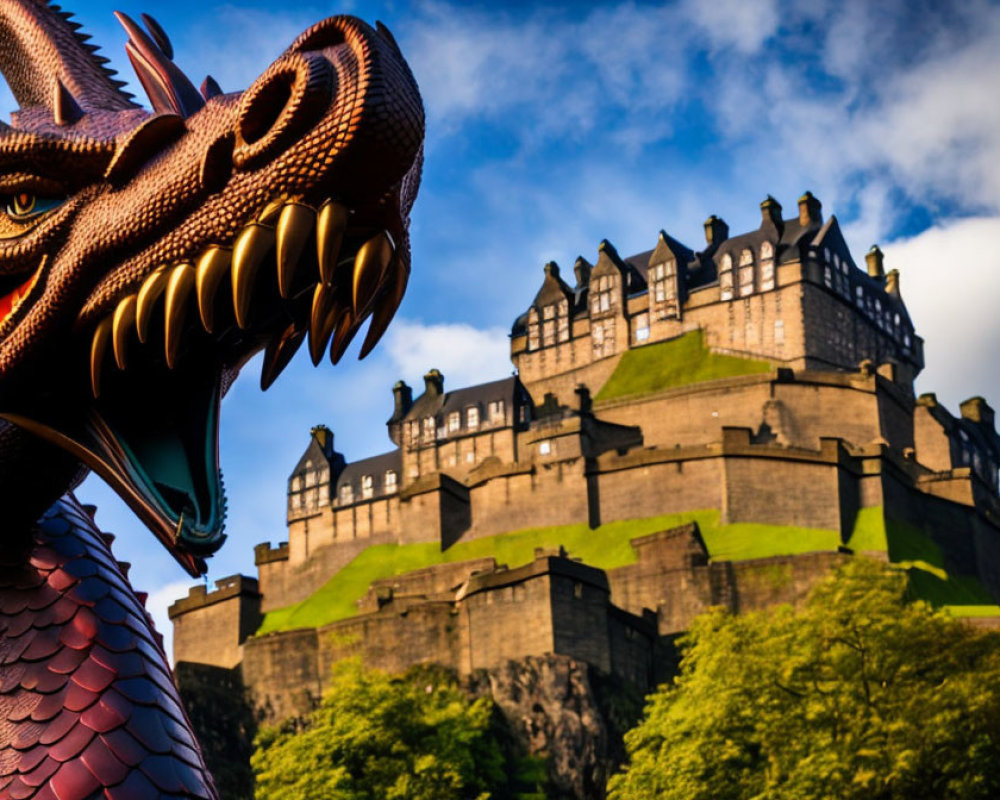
(145, 256)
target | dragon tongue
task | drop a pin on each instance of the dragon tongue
(11, 301)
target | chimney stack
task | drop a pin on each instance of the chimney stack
(976, 409)
(875, 260)
(552, 270)
(434, 382)
(892, 282)
(716, 230)
(810, 210)
(402, 396)
(770, 213)
(324, 438)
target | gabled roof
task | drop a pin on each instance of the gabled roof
(431, 403)
(376, 466)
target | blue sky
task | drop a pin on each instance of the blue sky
(552, 127)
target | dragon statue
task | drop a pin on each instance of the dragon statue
(144, 257)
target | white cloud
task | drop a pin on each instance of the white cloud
(740, 25)
(464, 354)
(950, 280)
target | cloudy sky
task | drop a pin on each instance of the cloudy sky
(553, 126)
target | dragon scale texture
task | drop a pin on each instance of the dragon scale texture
(145, 256)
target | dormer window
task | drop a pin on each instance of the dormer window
(390, 481)
(726, 277)
(454, 421)
(496, 412)
(472, 418)
(746, 272)
(663, 284)
(429, 429)
(602, 299)
(367, 486)
(346, 494)
(766, 266)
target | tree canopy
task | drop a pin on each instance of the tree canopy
(862, 693)
(382, 737)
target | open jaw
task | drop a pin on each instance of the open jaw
(161, 356)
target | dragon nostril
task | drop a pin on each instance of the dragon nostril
(281, 105)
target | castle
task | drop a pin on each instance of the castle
(743, 413)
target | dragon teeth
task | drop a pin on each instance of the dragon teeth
(149, 293)
(321, 320)
(346, 328)
(370, 266)
(251, 246)
(295, 224)
(279, 353)
(331, 223)
(386, 307)
(179, 289)
(98, 350)
(122, 324)
(212, 268)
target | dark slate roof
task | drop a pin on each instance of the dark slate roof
(432, 404)
(376, 466)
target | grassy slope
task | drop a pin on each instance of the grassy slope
(676, 362)
(606, 547)
(915, 551)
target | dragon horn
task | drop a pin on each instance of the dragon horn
(40, 48)
(169, 90)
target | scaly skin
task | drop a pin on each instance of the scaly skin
(144, 257)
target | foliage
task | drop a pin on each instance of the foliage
(863, 694)
(675, 362)
(379, 737)
(605, 547)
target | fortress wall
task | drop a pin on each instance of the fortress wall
(767, 582)
(809, 411)
(692, 415)
(556, 494)
(300, 530)
(639, 490)
(378, 517)
(439, 579)
(509, 622)
(210, 627)
(538, 381)
(896, 419)
(580, 620)
(931, 442)
(778, 492)
(281, 672)
(632, 642)
(394, 638)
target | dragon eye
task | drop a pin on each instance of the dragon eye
(24, 206)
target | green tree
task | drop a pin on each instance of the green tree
(382, 737)
(861, 694)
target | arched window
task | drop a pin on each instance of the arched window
(367, 486)
(746, 272)
(726, 277)
(766, 266)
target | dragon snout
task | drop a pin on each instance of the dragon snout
(281, 105)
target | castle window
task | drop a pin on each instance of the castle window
(548, 326)
(766, 266)
(860, 297)
(779, 332)
(296, 501)
(310, 479)
(603, 299)
(746, 272)
(324, 493)
(545, 447)
(578, 590)
(429, 429)
(533, 339)
(603, 338)
(346, 494)
(563, 321)
(367, 486)
(828, 277)
(663, 283)
(726, 277)
(496, 412)
(642, 327)
(472, 418)
(389, 484)
(454, 421)
(296, 483)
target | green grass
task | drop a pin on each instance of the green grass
(913, 550)
(677, 362)
(605, 547)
